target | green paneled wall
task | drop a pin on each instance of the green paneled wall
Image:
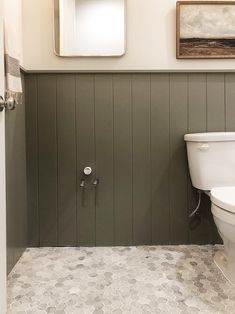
(129, 128)
(16, 184)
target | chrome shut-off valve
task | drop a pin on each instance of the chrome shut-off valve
(86, 171)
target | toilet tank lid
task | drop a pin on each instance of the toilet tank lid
(210, 137)
(224, 197)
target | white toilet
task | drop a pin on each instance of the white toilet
(211, 158)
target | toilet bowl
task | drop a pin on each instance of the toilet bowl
(211, 160)
(223, 210)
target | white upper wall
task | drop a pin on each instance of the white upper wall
(150, 41)
(13, 16)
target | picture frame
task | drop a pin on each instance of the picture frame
(204, 29)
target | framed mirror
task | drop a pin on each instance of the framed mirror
(95, 28)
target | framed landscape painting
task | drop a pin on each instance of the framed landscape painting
(205, 29)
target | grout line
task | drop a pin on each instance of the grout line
(38, 170)
(76, 154)
(225, 104)
(57, 160)
(114, 216)
(95, 153)
(130, 141)
(170, 166)
(169, 159)
(188, 130)
(188, 178)
(206, 102)
(132, 158)
(150, 157)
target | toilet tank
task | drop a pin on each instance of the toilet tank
(211, 159)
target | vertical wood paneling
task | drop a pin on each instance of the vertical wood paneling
(11, 220)
(85, 157)
(129, 128)
(230, 101)
(160, 113)
(141, 159)
(199, 232)
(66, 137)
(23, 171)
(178, 159)
(32, 158)
(13, 211)
(123, 159)
(47, 143)
(197, 103)
(16, 189)
(215, 120)
(215, 102)
(104, 159)
(18, 185)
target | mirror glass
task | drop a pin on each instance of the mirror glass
(89, 27)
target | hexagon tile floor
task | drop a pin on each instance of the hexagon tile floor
(164, 279)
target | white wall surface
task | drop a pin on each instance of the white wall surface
(150, 41)
(13, 16)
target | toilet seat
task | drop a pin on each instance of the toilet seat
(224, 198)
(223, 210)
(223, 215)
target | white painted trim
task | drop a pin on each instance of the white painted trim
(2, 179)
(3, 270)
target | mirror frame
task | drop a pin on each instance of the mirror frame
(56, 34)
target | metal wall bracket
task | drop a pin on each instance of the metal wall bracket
(2, 104)
(9, 103)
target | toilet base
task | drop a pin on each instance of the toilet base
(221, 261)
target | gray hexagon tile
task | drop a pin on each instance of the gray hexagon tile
(157, 279)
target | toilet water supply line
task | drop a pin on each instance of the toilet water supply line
(195, 211)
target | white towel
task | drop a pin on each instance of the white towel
(12, 65)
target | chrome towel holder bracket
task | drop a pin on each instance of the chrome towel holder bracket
(9, 103)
